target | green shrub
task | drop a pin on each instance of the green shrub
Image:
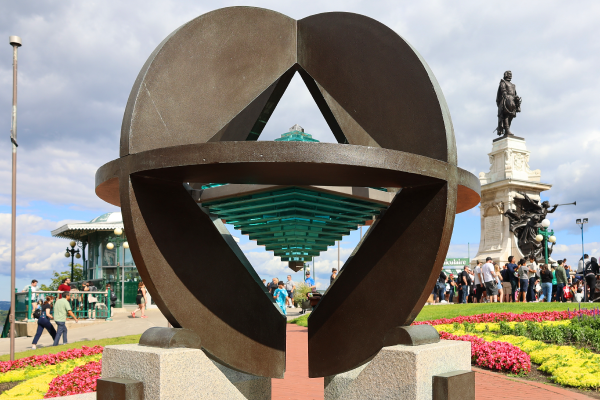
(300, 293)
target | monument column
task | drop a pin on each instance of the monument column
(509, 175)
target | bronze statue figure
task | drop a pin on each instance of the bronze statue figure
(525, 221)
(509, 104)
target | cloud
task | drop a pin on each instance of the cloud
(80, 59)
(37, 256)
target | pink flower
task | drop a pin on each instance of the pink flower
(80, 380)
(495, 355)
(49, 359)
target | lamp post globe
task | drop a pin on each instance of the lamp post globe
(110, 246)
(552, 239)
(545, 223)
(67, 254)
(125, 245)
(539, 238)
(118, 231)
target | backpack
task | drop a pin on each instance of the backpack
(37, 313)
(588, 268)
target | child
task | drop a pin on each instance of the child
(280, 295)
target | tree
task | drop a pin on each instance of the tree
(59, 276)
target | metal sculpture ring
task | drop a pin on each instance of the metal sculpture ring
(193, 116)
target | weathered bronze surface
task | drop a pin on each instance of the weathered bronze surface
(193, 116)
(508, 103)
(525, 221)
(170, 338)
(416, 335)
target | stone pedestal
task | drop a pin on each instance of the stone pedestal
(400, 372)
(509, 173)
(180, 373)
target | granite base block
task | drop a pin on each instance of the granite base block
(170, 374)
(457, 385)
(400, 372)
(119, 389)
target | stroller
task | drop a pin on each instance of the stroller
(312, 299)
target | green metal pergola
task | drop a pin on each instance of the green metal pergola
(295, 223)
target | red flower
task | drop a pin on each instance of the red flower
(80, 380)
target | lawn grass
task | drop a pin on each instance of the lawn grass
(454, 310)
(75, 345)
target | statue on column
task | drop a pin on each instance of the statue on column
(509, 104)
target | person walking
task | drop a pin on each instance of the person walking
(140, 300)
(523, 280)
(591, 272)
(280, 296)
(44, 322)
(290, 286)
(561, 281)
(489, 279)
(62, 308)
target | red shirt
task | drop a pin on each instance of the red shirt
(63, 288)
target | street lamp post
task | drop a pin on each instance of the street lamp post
(73, 254)
(15, 42)
(118, 241)
(581, 222)
(546, 236)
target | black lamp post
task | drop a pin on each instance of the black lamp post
(73, 254)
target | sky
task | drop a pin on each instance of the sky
(79, 61)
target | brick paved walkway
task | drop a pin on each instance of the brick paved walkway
(488, 385)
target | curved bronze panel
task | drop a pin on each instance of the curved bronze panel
(377, 84)
(204, 94)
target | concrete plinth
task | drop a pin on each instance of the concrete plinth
(180, 374)
(400, 372)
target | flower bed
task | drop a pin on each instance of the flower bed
(32, 372)
(512, 317)
(49, 359)
(568, 365)
(80, 380)
(35, 388)
(495, 355)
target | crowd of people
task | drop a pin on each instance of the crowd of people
(521, 281)
(283, 292)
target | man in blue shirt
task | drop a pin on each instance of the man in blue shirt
(512, 268)
(309, 281)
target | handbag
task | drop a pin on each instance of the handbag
(92, 298)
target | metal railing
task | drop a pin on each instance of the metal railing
(83, 304)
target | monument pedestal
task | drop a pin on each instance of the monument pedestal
(181, 373)
(406, 372)
(509, 174)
